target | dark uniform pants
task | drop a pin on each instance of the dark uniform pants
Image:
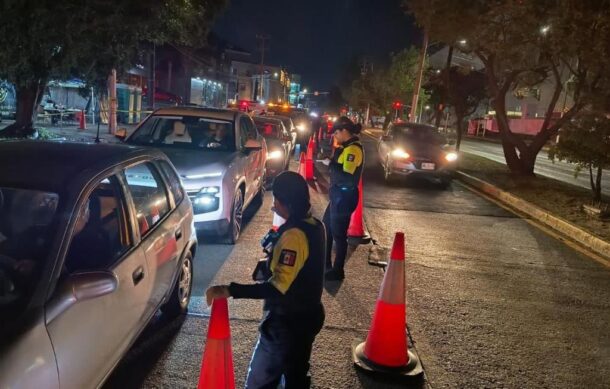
(283, 350)
(336, 219)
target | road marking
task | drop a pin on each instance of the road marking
(549, 231)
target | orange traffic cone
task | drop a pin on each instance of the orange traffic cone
(82, 122)
(310, 146)
(217, 363)
(309, 169)
(277, 221)
(385, 349)
(356, 232)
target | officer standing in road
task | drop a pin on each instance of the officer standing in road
(345, 171)
(292, 289)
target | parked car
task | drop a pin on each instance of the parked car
(416, 149)
(94, 240)
(220, 156)
(279, 144)
(292, 129)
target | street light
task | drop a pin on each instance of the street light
(545, 29)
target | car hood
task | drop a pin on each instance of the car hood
(196, 163)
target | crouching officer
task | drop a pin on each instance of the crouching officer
(345, 171)
(292, 290)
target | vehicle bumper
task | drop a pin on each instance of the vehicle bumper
(408, 169)
(217, 227)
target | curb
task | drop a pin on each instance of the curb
(572, 232)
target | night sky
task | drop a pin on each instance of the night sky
(318, 38)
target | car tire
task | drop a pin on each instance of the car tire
(445, 183)
(237, 213)
(181, 294)
(387, 172)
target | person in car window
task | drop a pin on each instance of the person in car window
(292, 290)
(219, 138)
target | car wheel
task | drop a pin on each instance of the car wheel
(445, 182)
(237, 213)
(181, 294)
(387, 171)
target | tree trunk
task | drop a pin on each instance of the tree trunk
(27, 99)
(597, 191)
(444, 96)
(460, 125)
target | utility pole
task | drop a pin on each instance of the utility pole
(262, 38)
(422, 60)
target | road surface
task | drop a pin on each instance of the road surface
(492, 301)
(558, 170)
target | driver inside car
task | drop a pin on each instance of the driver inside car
(219, 138)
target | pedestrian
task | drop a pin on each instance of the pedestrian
(345, 171)
(293, 278)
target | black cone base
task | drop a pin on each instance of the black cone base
(413, 368)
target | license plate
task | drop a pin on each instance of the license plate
(427, 166)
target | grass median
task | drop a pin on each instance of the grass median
(558, 198)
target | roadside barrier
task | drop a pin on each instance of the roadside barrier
(356, 233)
(217, 370)
(386, 349)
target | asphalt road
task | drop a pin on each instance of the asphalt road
(558, 170)
(492, 301)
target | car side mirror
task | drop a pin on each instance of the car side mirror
(253, 145)
(121, 133)
(80, 287)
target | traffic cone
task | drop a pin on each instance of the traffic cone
(385, 349)
(277, 221)
(217, 363)
(310, 146)
(356, 233)
(82, 123)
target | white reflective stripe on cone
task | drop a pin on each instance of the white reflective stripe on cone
(393, 286)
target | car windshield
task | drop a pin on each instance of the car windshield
(25, 233)
(267, 129)
(418, 134)
(185, 132)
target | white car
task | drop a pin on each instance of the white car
(220, 157)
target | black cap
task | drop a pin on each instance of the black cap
(291, 189)
(345, 123)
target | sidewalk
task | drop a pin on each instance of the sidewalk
(70, 132)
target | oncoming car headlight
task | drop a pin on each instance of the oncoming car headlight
(400, 154)
(301, 127)
(451, 156)
(275, 154)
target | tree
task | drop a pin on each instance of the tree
(385, 85)
(463, 92)
(523, 44)
(44, 39)
(585, 141)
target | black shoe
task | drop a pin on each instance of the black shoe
(334, 275)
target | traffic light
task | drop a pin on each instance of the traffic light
(397, 105)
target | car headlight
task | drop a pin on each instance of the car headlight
(207, 200)
(451, 156)
(301, 127)
(275, 154)
(400, 154)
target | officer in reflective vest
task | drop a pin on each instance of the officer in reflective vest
(345, 171)
(292, 289)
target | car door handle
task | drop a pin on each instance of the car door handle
(138, 275)
(178, 233)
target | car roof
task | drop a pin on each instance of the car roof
(270, 119)
(54, 165)
(415, 125)
(212, 113)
